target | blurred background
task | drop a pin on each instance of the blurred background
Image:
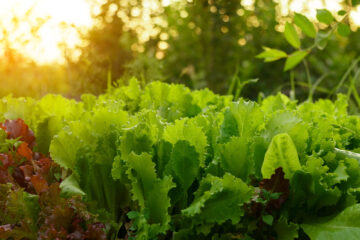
(83, 46)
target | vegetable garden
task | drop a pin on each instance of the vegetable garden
(161, 161)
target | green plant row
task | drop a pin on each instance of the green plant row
(164, 162)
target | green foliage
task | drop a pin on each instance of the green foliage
(321, 39)
(305, 25)
(271, 54)
(285, 230)
(164, 160)
(193, 36)
(281, 153)
(291, 35)
(228, 194)
(344, 225)
(324, 16)
(294, 59)
(344, 30)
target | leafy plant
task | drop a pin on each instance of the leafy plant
(164, 162)
(30, 201)
(319, 37)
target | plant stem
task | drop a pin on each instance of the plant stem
(318, 81)
(348, 71)
(292, 82)
(353, 87)
(309, 81)
(347, 154)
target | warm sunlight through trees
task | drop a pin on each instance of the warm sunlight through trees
(85, 45)
(39, 28)
(45, 30)
(180, 119)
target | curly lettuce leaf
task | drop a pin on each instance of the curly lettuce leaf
(281, 153)
(219, 199)
(150, 192)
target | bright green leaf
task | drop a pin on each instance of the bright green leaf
(281, 153)
(271, 54)
(64, 148)
(324, 16)
(70, 187)
(305, 25)
(291, 35)
(341, 174)
(294, 59)
(188, 130)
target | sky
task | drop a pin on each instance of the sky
(59, 16)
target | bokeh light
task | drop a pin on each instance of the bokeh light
(44, 29)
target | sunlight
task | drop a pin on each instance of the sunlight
(20, 18)
(308, 7)
(355, 16)
(43, 29)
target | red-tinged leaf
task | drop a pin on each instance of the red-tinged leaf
(28, 171)
(6, 160)
(4, 175)
(276, 184)
(24, 151)
(18, 129)
(6, 228)
(37, 156)
(19, 178)
(5, 231)
(51, 197)
(76, 235)
(49, 232)
(39, 184)
(61, 217)
(96, 231)
(45, 165)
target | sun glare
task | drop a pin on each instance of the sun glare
(43, 29)
(38, 28)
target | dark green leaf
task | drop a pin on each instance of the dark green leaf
(235, 157)
(305, 25)
(219, 199)
(341, 12)
(346, 225)
(355, 2)
(285, 230)
(185, 163)
(268, 219)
